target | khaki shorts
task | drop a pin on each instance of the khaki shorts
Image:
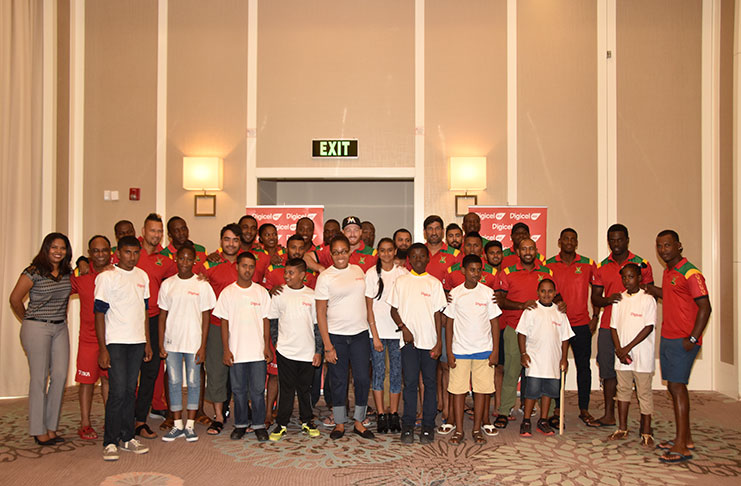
(471, 371)
(644, 390)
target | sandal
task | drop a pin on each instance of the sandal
(203, 420)
(215, 428)
(457, 437)
(501, 421)
(87, 433)
(489, 430)
(445, 429)
(668, 444)
(618, 435)
(145, 427)
(554, 422)
(674, 457)
(647, 441)
(599, 423)
(478, 437)
(587, 418)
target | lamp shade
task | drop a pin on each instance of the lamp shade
(202, 173)
(467, 173)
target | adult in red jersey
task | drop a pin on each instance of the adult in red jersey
(269, 252)
(248, 227)
(519, 284)
(274, 281)
(88, 371)
(305, 229)
(472, 245)
(472, 224)
(520, 231)
(441, 255)
(158, 267)
(331, 229)
(123, 228)
(402, 239)
(179, 234)
(368, 233)
(607, 286)
(220, 274)
(686, 313)
(573, 275)
(360, 254)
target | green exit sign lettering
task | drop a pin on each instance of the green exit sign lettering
(334, 148)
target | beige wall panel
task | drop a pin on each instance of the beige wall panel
(727, 341)
(120, 111)
(207, 106)
(465, 97)
(658, 127)
(336, 69)
(557, 115)
(61, 203)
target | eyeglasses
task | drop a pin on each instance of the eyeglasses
(340, 252)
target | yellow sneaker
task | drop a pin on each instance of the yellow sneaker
(310, 429)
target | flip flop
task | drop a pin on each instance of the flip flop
(668, 444)
(445, 429)
(599, 423)
(489, 430)
(87, 433)
(674, 458)
(215, 428)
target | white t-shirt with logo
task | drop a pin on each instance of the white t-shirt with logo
(295, 310)
(629, 317)
(546, 328)
(185, 300)
(125, 292)
(417, 298)
(344, 291)
(386, 326)
(472, 311)
(245, 310)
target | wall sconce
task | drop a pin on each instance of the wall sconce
(203, 174)
(467, 174)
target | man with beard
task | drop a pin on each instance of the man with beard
(441, 255)
(454, 236)
(360, 254)
(510, 257)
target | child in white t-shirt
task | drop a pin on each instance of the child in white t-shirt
(185, 302)
(417, 302)
(121, 300)
(632, 325)
(379, 280)
(543, 335)
(298, 349)
(245, 332)
(473, 331)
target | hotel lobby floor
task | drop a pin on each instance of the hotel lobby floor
(582, 456)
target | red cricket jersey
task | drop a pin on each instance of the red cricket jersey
(84, 286)
(158, 268)
(439, 263)
(573, 283)
(220, 275)
(607, 275)
(274, 277)
(682, 285)
(510, 258)
(520, 285)
(201, 256)
(455, 276)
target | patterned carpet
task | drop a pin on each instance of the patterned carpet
(581, 457)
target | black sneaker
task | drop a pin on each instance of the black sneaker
(261, 434)
(526, 429)
(407, 435)
(238, 433)
(544, 428)
(158, 414)
(383, 423)
(394, 423)
(427, 436)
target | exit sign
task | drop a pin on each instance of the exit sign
(334, 148)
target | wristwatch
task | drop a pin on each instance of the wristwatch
(693, 339)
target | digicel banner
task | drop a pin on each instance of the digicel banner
(497, 222)
(285, 217)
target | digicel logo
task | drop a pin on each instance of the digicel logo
(311, 216)
(499, 216)
(500, 237)
(535, 238)
(292, 227)
(277, 216)
(534, 216)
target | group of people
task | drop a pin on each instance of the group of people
(455, 315)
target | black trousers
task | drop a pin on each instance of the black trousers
(581, 346)
(148, 373)
(294, 378)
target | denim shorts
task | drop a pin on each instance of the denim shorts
(378, 359)
(538, 387)
(676, 362)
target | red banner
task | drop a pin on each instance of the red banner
(285, 217)
(497, 222)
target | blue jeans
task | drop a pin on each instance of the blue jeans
(126, 359)
(351, 350)
(248, 384)
(414, 361)
(175, 375)
(379, 365)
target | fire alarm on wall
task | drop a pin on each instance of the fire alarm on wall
(134, 193)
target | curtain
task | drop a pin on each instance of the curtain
(21, 36)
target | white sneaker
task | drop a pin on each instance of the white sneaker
(110, 453)
(135, 446)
